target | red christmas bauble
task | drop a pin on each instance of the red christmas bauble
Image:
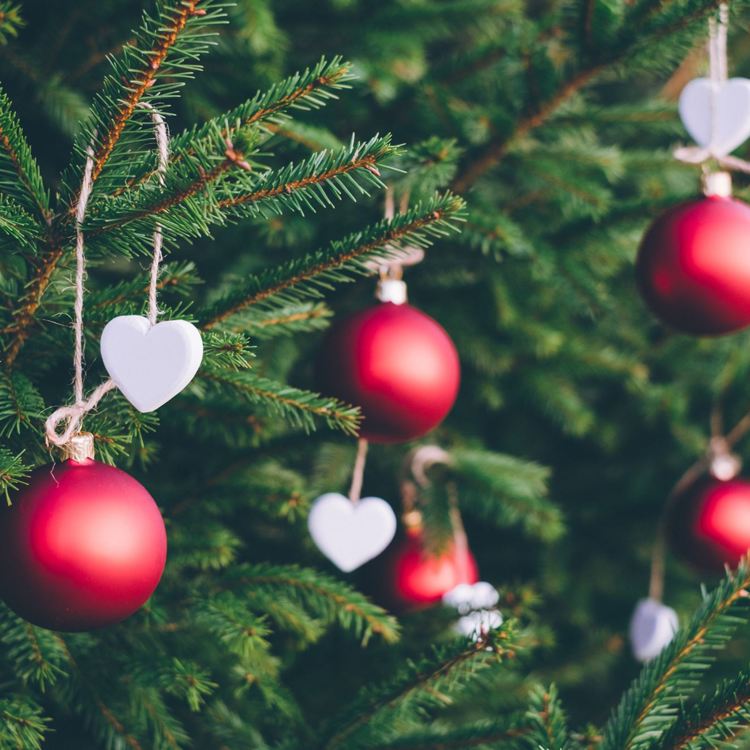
(709, 523)
(397, 364)
(693, 266)
(82, 546)
(413, 577)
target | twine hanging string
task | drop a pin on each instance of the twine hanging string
(358, 472)
(718, 73)
(392, 267)
(73, 414)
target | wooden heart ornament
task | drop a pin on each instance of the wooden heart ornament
(349, 534)
(717, 115)
(150, 364)
(652, 627)
(468, 597)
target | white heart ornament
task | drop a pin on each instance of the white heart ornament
(477, 623)
(723, 130)
(467, 597)
(349, 534)
(150, 364)
(652, 627)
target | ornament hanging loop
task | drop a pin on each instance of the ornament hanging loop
(358, 473)
(73, 415)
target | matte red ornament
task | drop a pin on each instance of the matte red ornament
(413, 577)
(82, 546)
(693, 266)
(397, 364)
(709, 523)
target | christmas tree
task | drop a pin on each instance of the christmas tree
(525, 148)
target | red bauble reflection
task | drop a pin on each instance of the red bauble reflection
(414, 578)
(397, 364)
(709, 523)
(82, 546)
(693, 266)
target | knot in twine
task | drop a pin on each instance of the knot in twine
(73, 414)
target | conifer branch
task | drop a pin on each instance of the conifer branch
(667, 680)
(324, 595)
(300, 407)
(20, 175)
(493, 153)
(713, 720)
(310, 89)
(25, 316)
(495, 150)
(342, 260)
(502, 734)
(423, 678)
(143, 80)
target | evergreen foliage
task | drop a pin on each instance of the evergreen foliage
(535, 147)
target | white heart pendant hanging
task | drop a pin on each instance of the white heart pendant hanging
(652, 628)
(150, 364)
(717, 114)
(349, 534)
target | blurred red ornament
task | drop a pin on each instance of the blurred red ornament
(693, 266)
(82, 546)
(397, 364)
(413, 577)
(709, 523)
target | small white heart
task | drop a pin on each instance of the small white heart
(652, 627)
(729, 126)
(150, 364)
(479, 622)
(471, 596)
(350, 534)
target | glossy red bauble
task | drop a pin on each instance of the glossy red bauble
(709, 523)
(412, 577)
(693, 266)
(82, 546)
(397, 364)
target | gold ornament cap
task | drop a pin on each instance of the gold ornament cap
(80, 447)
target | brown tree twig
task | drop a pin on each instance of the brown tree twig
(389, 237)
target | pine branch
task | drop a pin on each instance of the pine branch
(634, 37)
(665, 682)
(504, 733)
(300, 408)
(150, 67)
(310, 89)
(21, 405)
(343, 260)
(547, 719)
(507, 490)
(13, 472)
(283, 320)
(20, 227)
(22, 724)
(714, 719)
(419, 684)
(20, 176)
(199, 195)
(38, 656)
(326, 597)
(24, 316)
(10, 20)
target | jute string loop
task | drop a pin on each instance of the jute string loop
(73, 414)
(358, 473)
(718, 72)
